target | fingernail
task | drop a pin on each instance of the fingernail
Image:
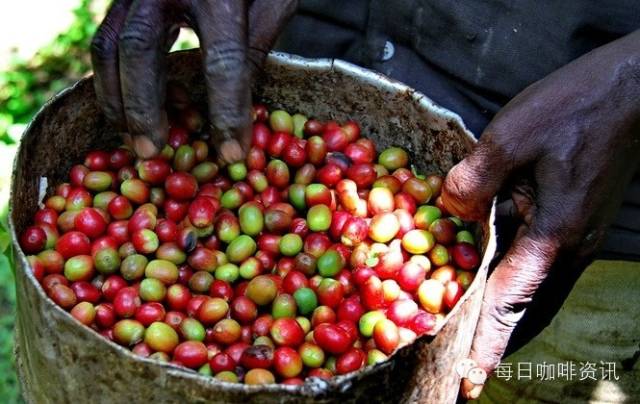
(144, 147)
(230, 151)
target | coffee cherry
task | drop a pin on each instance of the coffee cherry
(465, 256)
(33, 240)
(161, 337)
(309, 258)
(393, 158)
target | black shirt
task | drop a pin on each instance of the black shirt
(470, 56)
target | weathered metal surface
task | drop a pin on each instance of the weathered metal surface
(60, 360)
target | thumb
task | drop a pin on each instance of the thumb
(471, 185)
(509, 289)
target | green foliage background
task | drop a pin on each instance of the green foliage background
(24, 87)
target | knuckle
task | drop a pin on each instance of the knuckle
(508, 293)
(104, 45)
(225, 59)
(229, 116)
(523, 268)
(504, 314)
(137, 112)
(138, 36)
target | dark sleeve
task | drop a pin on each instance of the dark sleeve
(470, 57)
(327, 29)
(319, 31)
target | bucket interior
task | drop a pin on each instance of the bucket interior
(388, 112)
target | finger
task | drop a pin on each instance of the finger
(509, 289)
(267, 19)
(222, 29)
(142, 68)
(104, 57)
(472, 184)
(548, 299)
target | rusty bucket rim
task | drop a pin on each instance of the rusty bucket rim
(313, 387)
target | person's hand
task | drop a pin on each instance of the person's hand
(565, 148)
(128, 54)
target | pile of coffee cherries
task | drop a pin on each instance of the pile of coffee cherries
(314, 257)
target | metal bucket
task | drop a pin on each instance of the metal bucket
(59, 360)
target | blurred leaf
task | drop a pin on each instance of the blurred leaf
(5, 240)
(6, 280)
(5, 235)
(24, 87)
(9, 390)
(28, 84)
